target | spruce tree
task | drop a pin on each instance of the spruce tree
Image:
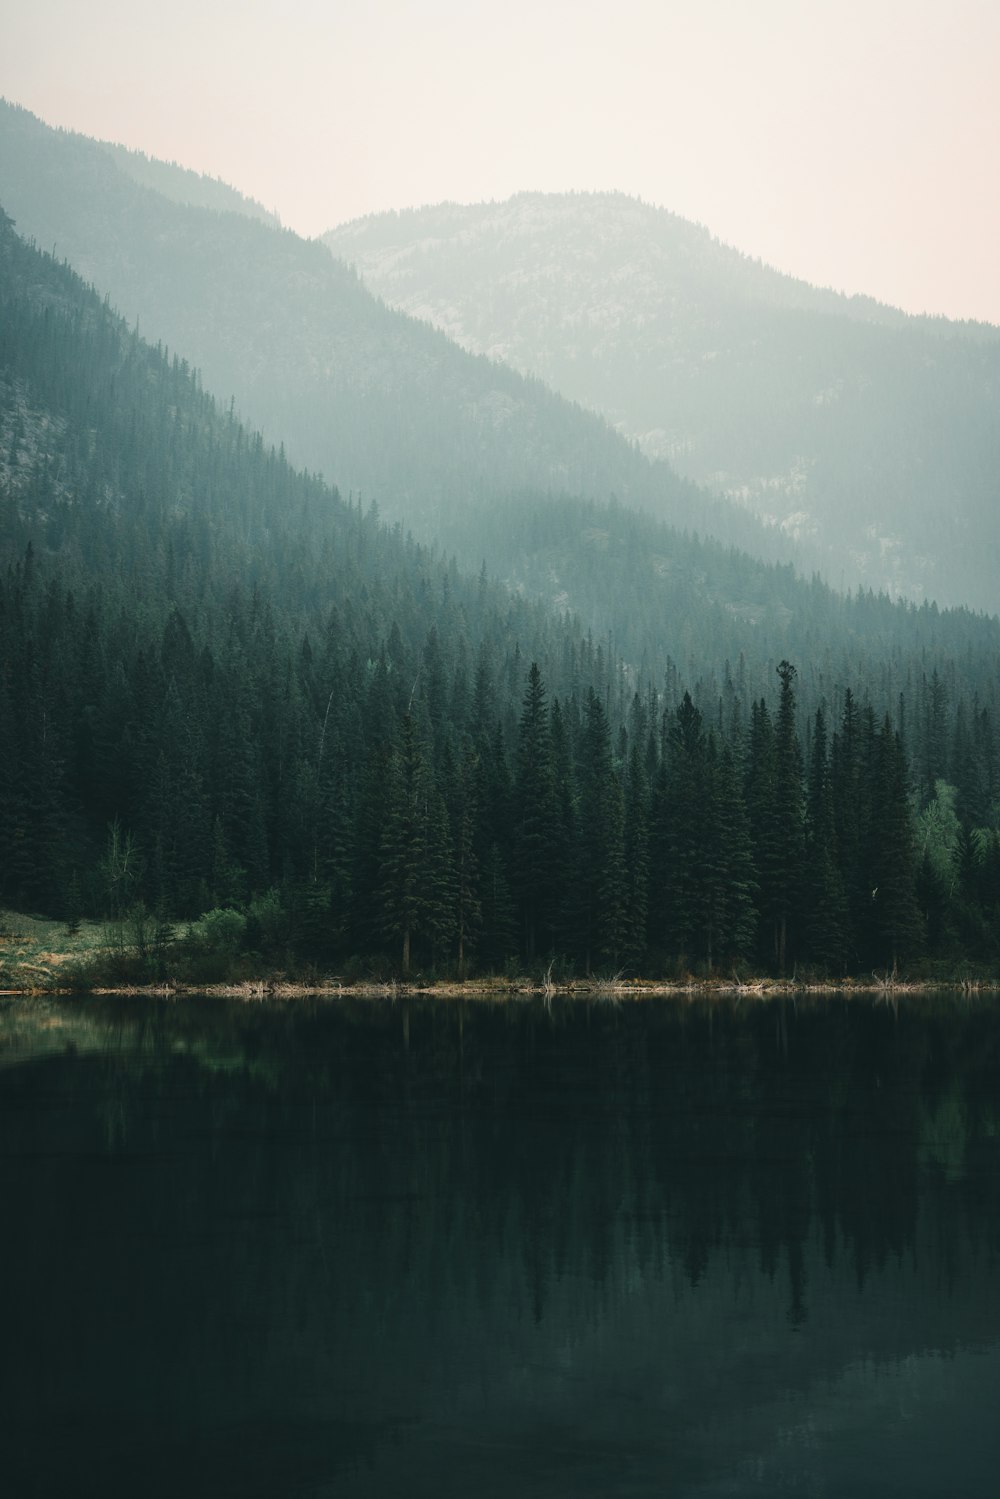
(567, 913)
(636, 839)
(536, 821)
(761, 803)
(498, 940)
(850, 789)
(897, 930)
(784, 873)
(682, 820)
(462, 781)
(601, 875)
(729, 875)
(440, 913)
(825, 903)
(407, 861)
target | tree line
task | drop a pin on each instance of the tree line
(224, 689)
(359, 804)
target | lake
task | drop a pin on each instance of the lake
(357, 1247)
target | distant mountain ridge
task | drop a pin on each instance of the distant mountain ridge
(182, 185)
(373, 399)
(868, 442)
(227, 694)
(848, 423)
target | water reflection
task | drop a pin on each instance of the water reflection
(358, 1248)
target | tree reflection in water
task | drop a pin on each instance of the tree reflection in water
(362, 1247)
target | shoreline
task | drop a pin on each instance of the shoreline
(262, 990)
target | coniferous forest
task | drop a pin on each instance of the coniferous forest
(499, 753)
(235, 703)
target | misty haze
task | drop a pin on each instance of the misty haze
(500, 750)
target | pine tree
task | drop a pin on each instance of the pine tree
(934, 735)
(365, 929)
(785, 871)
(601, 874)
(410, 851)
(567, 908)
(440, 914)
(463, 812)
(636, 840)
(851, 792)
(896, 925)
(498, 940)
(728, 863)
(760, 796)
(825, 904)
(536, 818)
(74, 904)
(682, 819)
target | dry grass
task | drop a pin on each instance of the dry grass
(34, 952)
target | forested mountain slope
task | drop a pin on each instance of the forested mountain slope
(182, 185)
(872, 436)
(199, 643)
(379, 403)
(223, 687)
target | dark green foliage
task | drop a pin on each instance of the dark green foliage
(784, 868)
(462, 784)
(224, 690)
(728, 863)
(701, 848)
(537, 826)
(636, 840)
(896, 927)
(775, 806)
(499, 936)
(602, 896)
(415, 895)
(825, 917)
(678, 910)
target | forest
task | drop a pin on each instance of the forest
(256, 726)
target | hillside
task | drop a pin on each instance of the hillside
(182, 185)
(379, 403)
(872, 437)
(225, 694)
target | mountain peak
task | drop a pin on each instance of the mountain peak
(784, 397)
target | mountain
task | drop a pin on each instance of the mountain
(871, 436)
(182, 185)
(378, 402)
(205, 656)
(226, 693)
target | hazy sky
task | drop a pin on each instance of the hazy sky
(853, 143)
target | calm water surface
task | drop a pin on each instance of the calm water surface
(361, 1248)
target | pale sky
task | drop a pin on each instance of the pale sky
(855, 143)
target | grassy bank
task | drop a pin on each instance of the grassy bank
(41, 956)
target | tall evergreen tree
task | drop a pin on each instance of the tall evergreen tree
(636, 840)
(601, 874)
(825, 903)
(784, 871)
(729, 880)
(463, 815)
(406, 857)
(896, 925)
(567, 909)
(536, 821)
(498, 940)
(681, 817)
(761, 803)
